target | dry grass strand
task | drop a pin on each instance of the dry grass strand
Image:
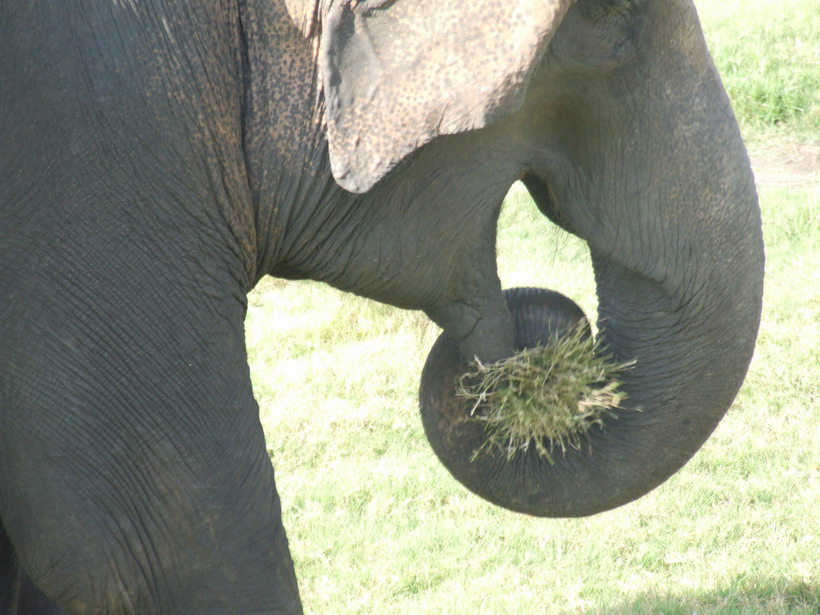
(547, 397)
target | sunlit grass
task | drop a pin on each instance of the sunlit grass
(769, 59)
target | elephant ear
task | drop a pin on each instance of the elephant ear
(397, 73)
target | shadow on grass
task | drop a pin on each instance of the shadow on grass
(742, 596)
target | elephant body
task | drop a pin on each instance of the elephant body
(158, 158)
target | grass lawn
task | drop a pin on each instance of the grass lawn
(376, 523)
(769, 58)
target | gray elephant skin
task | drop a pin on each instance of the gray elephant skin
(159, 158)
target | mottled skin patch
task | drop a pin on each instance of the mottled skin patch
(473, 75)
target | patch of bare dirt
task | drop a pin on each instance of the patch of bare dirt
(786, 164)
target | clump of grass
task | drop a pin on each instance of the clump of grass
(548, 396)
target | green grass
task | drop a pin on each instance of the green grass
(769, 58)
(377, 525)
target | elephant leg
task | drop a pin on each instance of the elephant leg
(134, 475)
(18, 595)
(180, 516)
(191, 525)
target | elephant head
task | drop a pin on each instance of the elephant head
(156, 161)
(613, 115)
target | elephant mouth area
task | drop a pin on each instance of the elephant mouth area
(544, 198)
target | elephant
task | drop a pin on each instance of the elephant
(160, 157)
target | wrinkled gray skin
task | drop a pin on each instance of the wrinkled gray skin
(159, 158)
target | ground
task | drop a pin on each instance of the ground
(782, 163)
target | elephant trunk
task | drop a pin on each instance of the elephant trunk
(691, 329)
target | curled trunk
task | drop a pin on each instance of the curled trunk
(692, 355)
